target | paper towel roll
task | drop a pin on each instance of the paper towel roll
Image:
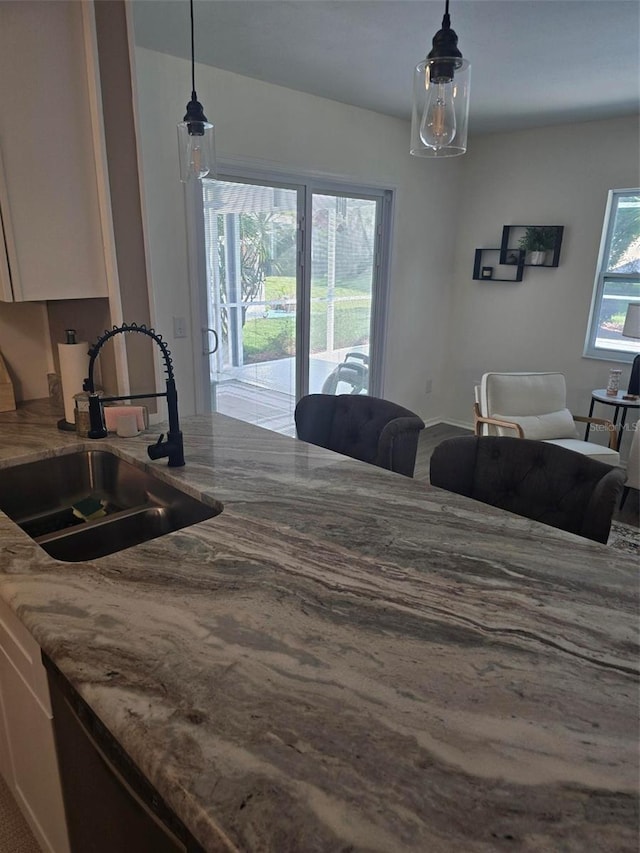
(74, 367)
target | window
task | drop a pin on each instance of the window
(617, 280)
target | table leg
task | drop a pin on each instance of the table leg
(621, 433)
(588, 427)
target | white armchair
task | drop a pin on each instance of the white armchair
(633, 465)
(534, 405)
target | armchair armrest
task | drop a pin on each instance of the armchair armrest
(479, 419)
(613, 432)
(398, 444)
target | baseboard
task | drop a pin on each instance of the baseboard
(462, 424)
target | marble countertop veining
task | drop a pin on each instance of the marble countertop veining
(347, 660)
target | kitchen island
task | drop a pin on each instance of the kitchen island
(345, 659)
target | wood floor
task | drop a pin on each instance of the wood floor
(431, 437)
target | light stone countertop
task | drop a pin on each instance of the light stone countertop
(345, 659)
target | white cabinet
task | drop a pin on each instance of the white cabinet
(50, 195)
(28, 760)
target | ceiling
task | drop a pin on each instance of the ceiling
(534, 62)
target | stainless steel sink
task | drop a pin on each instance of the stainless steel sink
(39, 496)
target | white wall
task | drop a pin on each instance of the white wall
(284, 129)
(553, 176)
(442, 325)
(26, 347)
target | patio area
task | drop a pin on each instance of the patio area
(263, 394)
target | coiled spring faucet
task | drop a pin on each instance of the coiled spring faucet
(172, 448)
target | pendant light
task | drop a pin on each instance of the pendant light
(195, 132)
(441, 98)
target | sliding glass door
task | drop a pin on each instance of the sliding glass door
(251, 236)
(293, 289)
(343, 250)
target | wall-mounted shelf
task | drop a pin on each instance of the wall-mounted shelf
(491, 260)
(511, 235)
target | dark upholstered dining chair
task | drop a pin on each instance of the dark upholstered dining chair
(535, 479)
(365, 428)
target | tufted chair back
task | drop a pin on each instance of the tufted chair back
(535, 479)
(633, 464)
(366, 428)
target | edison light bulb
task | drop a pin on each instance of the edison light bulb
(195, 158)
(438, 125)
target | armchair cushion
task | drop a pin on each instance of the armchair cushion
(588, 448)
(523, 393)
(558, 424)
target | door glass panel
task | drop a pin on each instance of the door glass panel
(257, 247)
(343, 249)
(251, 247)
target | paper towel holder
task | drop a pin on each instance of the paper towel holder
(63, 423)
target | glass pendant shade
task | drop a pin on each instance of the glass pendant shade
(440, 114)
(196, 147)
(195, 132)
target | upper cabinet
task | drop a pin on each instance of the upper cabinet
(52, 244)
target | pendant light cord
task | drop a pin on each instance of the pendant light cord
(193, 55)
(446, 20)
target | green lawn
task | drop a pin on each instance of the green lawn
(284, 287)
(271, 338)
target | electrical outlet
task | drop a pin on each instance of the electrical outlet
(179, 327)
(428, 386)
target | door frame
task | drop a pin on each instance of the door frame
(306, 184)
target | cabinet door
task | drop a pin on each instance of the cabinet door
(8, 262)
(50, 201)
(28, 759)
(36, 785)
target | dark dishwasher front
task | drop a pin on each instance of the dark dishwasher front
(110, 806)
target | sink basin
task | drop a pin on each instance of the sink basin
(39, 496)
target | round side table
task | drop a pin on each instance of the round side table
(600, 396)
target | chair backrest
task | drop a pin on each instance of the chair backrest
(534, 479)
(366, 428)
(537, 401)
(633, 462)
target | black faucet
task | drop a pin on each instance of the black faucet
(172, 448)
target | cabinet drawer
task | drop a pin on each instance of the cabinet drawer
(23, 653)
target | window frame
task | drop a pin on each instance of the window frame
(602, 275)
(307, 182)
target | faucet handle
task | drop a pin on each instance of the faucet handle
(159, 449)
